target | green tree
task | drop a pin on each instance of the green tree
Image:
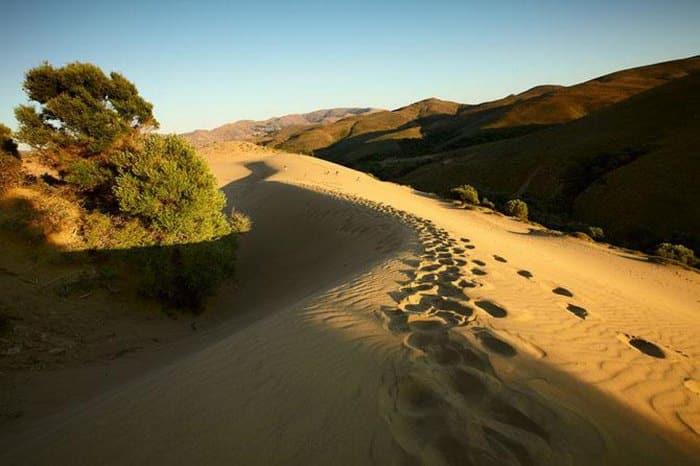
(170, 189)
(467, 194)
(517, 208)
(80, 109)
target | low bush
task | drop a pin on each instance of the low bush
(101, 231)
(170, 190)
(240, 222)
(487, 203)
(677, 252)
(87, 174)
(596, 233)
(517, 208)
(183, 275)
(10, 165)
(8, 146)
(466, 193)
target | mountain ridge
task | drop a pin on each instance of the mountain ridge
(252, 130)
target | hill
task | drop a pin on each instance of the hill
(577, 153)
(631, 167)
(434, 125)
(250, 130)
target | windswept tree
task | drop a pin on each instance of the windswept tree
(79, 109)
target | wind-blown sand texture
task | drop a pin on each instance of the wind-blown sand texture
(389, 327)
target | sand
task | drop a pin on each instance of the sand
(380, 325)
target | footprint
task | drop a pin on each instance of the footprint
(643, 346)
(578, 311)
(563, 292)
(395, 320)
(448, 289)
(476, 271)
(414, 398)
(525, 273)
(457, 307)
(500, 259)
(471, 384)
(478, 262)
(467, 284)
(470, 246)
(510, 415)
(430, 267)
(427, 325)
(496, 345)
(493, 309)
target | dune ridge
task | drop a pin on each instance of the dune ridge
(437, 336)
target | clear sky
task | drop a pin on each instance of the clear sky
(205, 63)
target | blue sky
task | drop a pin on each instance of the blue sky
(205, 63)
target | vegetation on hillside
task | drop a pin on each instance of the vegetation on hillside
(466, 193)
(143, 199)
(517, 208)
(616, 151)
(9, 159)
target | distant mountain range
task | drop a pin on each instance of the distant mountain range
(249, 130)
(621, 151)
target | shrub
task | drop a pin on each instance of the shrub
(87, 174)
(8, 147)
(596, 233)
(486, 203)
(240, 222)
(183, 275)
(517, 208)
(170, 190)
(466, 193)
(10, 172)
(10, 165)
(80, 108)
(102, 231)
(676, 252)
(581, 235)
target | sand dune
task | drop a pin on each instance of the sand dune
(388, 327)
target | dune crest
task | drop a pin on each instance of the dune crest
(394, 328)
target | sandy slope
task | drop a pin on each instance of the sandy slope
(391, 328)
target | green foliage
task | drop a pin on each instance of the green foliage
(596, 233)
(240, 222)
(487, 203)
(466, 193)
(87, 174)
(81, 108)
(170, 190)
(517, 208)
(183, 275)
(102, 231)
(677, 252)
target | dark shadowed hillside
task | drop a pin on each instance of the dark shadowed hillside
(250, 130)
(632, 167)
(433, 125)
(619, 151)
